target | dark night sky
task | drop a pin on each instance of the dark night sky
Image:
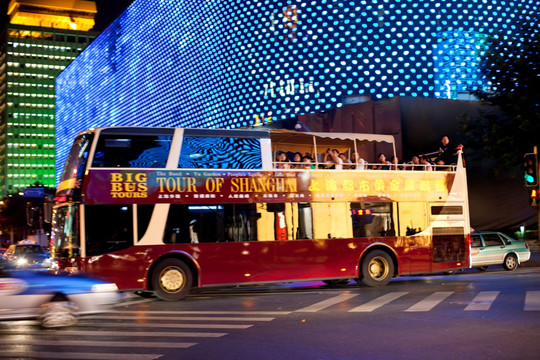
(107, 11)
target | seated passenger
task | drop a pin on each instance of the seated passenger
(425, 163)
(440, 165)
(395, 163)
(297, 160)
(332, 159)
(346, 162)
(383, 164)
(307, 162)
(286, 164)
(281, 157)
(358, 162)
(414, 164)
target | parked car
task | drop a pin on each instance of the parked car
(55, 300)
(29, 256)
(496, 248)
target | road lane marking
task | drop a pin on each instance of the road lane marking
(532, 301)
(430, 302)
(14, 354)
(483, 301)
(378, 302)
(328, 302)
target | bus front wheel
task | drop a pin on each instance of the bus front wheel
(377, 269)
(172, 280)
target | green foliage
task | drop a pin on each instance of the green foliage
(511, 67)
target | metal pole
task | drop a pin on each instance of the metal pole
(537, 206)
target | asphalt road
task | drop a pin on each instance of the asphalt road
(469, 315)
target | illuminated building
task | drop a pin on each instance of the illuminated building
(241, 63)
(40, 39)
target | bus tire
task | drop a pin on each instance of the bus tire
(377, 269)
(510, 262)
(171, 280)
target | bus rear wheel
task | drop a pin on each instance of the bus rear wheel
(172, 280)
(377, 269)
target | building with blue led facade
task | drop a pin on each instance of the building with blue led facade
(232, 64)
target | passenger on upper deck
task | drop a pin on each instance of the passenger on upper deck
(282, 161)
(297, 160)
(425, 163)
(414, 164)
(307, 160)
(332, 159)
(395, 163)
(345, 159)
(358, 162)
(448, 152)
(383, 164)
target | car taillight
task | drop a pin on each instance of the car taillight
(71, 269)
(527, 245)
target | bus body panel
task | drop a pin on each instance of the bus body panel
(260, 262)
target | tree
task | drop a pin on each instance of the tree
(511, 69)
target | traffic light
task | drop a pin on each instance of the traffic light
(533, 198)
(530, 168)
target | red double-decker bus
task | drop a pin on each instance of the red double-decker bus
(162, 210)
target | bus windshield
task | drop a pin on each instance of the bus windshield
(70, 182)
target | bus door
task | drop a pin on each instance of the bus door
(415, 243)
(449, 237)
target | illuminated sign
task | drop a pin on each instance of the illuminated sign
(186, 186)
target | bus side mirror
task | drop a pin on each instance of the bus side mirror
(47, 211)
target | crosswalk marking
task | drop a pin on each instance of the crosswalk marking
(117, 333)
(14, 354)
(378, 302)
(532, 301)
(430, 302)
(482, 301)
(142, 316)
(167, 325)
(204, 312)
(328, 302)
(130, 344)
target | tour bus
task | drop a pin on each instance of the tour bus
(162, 210)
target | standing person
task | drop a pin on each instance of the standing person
(447, 151)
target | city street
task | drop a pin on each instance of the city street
(469, 315)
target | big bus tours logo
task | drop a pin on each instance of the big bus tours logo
(129, 185)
